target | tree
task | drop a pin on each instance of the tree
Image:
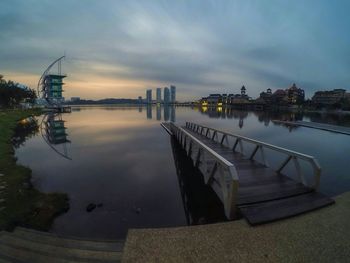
(11, 93)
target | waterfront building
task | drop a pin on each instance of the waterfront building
(149, 96)
(265, 97)
(53, 88)
(330, 96)
(172, 94)
(240, 98)
(75, 99)
(166, 95)
(159, 95)
(214, 100)
(295, 95)
(243, 90)
(279, 96)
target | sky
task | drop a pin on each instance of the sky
(121, 48)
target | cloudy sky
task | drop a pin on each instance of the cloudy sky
(120, 48)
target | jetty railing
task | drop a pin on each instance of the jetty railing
(238, 146)
(219, 173)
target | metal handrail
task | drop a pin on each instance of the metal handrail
(213, 134)
(218, 172)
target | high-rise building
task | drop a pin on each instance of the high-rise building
(172, 94)
(166, 95)
(159, 95)
(149, 96)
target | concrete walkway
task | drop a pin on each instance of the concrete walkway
(319, 236)
(30, 246)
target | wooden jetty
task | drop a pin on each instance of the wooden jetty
(317, 125)
(245, 184)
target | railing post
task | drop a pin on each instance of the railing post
(190, 149)
(298, 168)
(254, 152)
(223, 138)
(198, 158)
(214, 134)
(240, 145)
(284, 163)
(210, 179)
(263, 156)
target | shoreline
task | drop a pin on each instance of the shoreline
(21, 204)
(317, 236)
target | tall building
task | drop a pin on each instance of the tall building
(172, 94)
(166, 95)
(159, 95)
(149, 96)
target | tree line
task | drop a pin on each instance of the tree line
(12, 93)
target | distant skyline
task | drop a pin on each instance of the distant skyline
(121, 48)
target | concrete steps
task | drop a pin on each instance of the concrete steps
(25, 245)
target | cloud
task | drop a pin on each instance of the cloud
(119, 48)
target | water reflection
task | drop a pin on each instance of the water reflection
(159, 113)
(149, 112)
(124, 160)
(201, 204)
(24, 130)
(169, 112)
(53, 131)
(262, 116)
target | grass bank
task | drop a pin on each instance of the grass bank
(20, 203)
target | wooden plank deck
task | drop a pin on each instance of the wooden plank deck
(263, 194)
(317, 125)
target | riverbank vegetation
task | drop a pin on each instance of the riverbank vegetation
(20, 203)
(12, 93)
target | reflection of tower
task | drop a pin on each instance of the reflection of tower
(54, 133)
(149, 111)
(166, 112)
(240, 123)
(55, 129)
(159, 113)
(173, 114)
(140, 109)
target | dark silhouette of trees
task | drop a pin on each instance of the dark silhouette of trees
(11, 93)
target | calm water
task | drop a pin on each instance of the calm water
(123, 159)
